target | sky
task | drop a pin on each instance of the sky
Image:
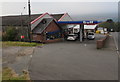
(77, 9)
(60, 0)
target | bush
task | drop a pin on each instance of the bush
(10, 34)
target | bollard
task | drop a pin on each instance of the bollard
(99, 44)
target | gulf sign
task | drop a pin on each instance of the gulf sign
(79, 22)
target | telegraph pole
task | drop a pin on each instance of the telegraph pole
(29, 22)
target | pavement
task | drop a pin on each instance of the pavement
(116, 36)
(17, 58)
(71, 60)
(0, 63)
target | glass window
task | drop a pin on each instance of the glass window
(53, 36)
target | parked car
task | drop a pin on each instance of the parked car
(72, 37)
(91, 36)
(110, 30)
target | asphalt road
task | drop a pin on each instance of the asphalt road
(71, 60)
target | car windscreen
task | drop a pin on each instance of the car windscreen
(71, 35)
(90, 34)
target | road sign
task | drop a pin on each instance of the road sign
(22, 37)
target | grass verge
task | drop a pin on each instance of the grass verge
(9, 74)
(12, 43)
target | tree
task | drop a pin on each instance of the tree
(109, 24)
(10, 34)
(109, 20)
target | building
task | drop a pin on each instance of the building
(22, 20)
(46, 27)
(91, 28)
(47, 31)
(43, 26)
(102, 30)
(19, 22)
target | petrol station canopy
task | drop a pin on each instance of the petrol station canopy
(80, 22)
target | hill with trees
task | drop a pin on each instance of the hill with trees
(109, 24)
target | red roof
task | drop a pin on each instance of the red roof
(62, 17)
(41, 17)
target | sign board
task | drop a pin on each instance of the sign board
(22, 37)
(89, 22)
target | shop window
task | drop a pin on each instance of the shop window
(52, 36)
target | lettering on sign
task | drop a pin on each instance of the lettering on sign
(87, 22)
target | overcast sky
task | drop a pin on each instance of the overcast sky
(101, 8)
(60, 0)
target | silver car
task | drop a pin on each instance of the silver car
(91, 36)
(72, 37)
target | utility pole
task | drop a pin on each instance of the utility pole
(29, 22)
(80, 35)
(81, 30)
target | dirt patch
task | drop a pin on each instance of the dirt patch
(10, 74)
(17, 58)
(11, 54)
(26, 51)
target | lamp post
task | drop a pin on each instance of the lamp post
(21, 18)
(22, 11)
(29, 22)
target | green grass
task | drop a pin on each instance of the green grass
(13, 43)
(9, 74)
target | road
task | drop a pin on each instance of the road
(74, 61)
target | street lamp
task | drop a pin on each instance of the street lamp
(21, 17)
(22, 10)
